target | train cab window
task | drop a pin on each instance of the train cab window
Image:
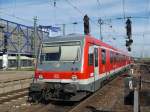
(90, 56)
(96, 57)
(103, 56)
(60, 52)
(51, 53)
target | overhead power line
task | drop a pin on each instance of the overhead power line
(148, 13)
(19, 18)
(14, 8)
(100, 7)
(76, 8)
(123, 8)
(81, 12)
(95, 20)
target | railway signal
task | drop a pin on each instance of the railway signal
(129, 41)
(128, 27)
(86, 25)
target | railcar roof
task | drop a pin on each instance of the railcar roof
(106, 45)
(74, 37)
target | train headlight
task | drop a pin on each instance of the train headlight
(74, 77)
(40, 76)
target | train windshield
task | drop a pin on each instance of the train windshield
(61, 51)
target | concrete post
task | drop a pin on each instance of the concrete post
(136, 100)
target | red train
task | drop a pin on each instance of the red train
(69, 68)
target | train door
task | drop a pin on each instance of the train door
(96, 68)
(103, 65)
(93, 60)
(96, 65)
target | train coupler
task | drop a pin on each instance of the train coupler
(35, 92)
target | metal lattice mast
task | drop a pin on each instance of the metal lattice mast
(34, 37)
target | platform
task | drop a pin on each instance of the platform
(15, 75)
(14, 80)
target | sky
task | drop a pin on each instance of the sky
(70, 11)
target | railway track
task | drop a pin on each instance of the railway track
(104, 97)
(104, 100)
(51, 107)
(55, 108)
(13, 95)
(144, 92)
(17, 102)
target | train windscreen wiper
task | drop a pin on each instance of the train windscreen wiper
(76, 58)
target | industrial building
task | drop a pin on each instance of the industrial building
(19, 43)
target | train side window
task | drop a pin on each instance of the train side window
(96, 56)
(103, 56)
(90, 56)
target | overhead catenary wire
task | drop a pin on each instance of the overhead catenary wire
(16, 17)
(145, 30)
(54, 8)
(81, 12)
(105, 22)
(100, 7)
(14, 7)
(76, 8)
(100, 22)
(123, 8)
(148, 17)
(95, 20)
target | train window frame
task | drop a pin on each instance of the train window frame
(60, 45)
(77, 56)
(103, 54)
(47, 55)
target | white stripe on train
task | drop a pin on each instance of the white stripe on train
(84, 81)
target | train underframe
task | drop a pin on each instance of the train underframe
(39, 92)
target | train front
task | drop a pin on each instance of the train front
(58, 70)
